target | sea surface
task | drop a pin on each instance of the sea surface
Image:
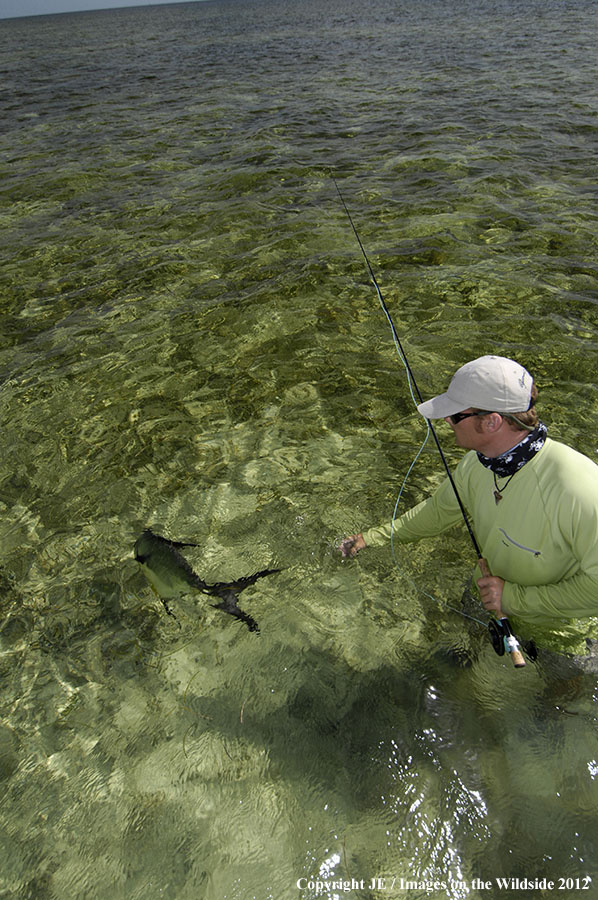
(190, 340)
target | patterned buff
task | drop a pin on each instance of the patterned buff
(511, 461)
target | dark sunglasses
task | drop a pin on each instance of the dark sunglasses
(458, 417)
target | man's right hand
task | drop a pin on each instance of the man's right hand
(350, 546)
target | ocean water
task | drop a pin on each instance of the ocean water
(190, 340)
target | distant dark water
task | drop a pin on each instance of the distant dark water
(189, 339)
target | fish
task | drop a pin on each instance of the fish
(170, 575)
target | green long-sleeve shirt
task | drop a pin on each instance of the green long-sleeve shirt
(541, 538)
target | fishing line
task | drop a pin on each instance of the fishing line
(411, 376)
(416, 396)
(396, 561)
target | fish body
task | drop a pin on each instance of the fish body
(165, 568)
(170, 574)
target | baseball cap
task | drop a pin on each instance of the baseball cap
(492, 383)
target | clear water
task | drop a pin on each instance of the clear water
(190, 340)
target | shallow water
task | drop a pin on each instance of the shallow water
(190, 341)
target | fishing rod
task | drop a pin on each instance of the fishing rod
(501, 633)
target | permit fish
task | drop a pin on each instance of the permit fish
(170, 574)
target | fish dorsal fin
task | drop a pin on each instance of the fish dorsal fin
(166, 540)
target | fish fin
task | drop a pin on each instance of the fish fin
(230, 606)
(169, 611)
(182, 544)
(166, 540)
(240, 583)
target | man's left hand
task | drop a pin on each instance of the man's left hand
(491, 588)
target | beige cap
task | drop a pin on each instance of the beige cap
(492, 383)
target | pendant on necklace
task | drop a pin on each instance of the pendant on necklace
(497, 497)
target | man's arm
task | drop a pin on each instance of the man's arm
(573, 598)
(429, 518)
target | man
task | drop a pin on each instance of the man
(533, 502)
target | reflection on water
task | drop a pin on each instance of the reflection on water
(190, 341)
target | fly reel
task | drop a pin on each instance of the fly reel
(497, 636)
(503, 639)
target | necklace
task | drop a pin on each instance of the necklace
(498, 490)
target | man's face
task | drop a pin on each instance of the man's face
(467, 428)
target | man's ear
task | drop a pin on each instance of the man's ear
(492, 422)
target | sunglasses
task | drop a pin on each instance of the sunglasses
(458, 417)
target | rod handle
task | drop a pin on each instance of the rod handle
(484, 567)
(512, 642)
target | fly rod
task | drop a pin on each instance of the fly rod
(509, 641)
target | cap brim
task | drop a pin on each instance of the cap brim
(440, 407)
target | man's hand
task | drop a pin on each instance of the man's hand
(491, 588)
(350, 546)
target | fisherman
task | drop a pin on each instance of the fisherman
(533, 501)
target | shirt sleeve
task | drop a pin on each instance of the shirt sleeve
(430, 517)
(573, 598)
